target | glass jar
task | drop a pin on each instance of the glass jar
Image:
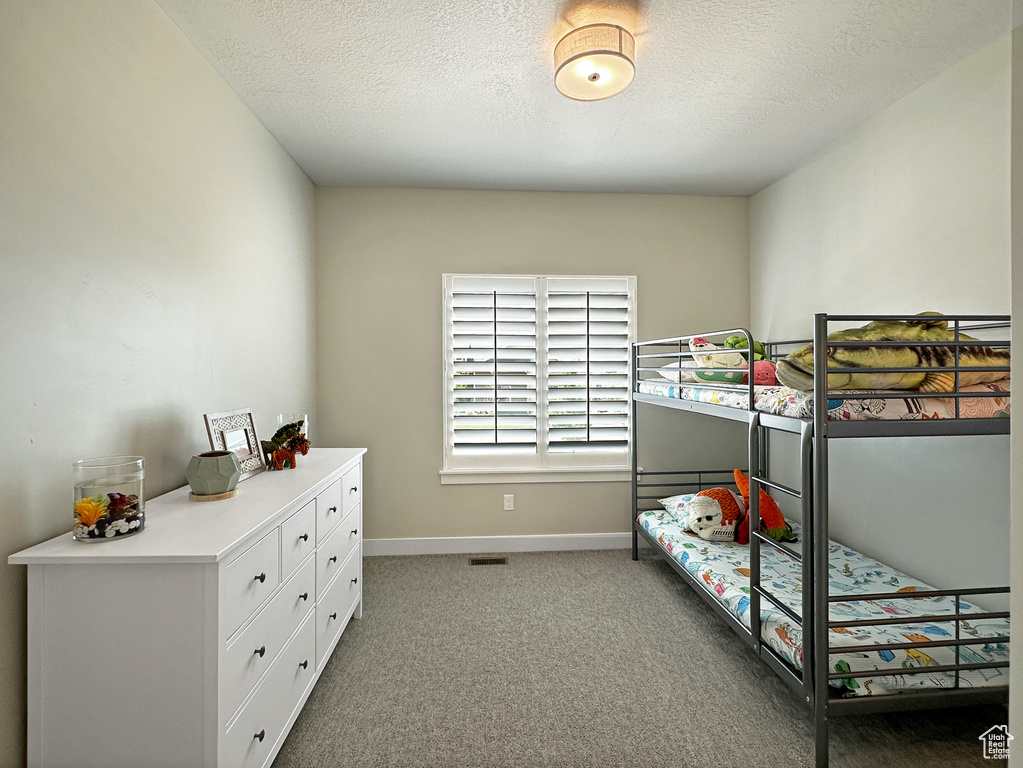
(108, 498)
(285, 419)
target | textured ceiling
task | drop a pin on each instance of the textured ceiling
(729, 95)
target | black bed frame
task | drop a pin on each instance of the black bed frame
(812, 681)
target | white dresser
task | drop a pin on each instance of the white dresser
(197, 641)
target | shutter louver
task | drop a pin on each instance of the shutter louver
(494, 371)
(588, 339)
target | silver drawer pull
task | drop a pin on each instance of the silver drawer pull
(332, 559)
(304, 664)
(261, 650)
(304, 596)
(355, 580)
(304, 537)
(261, 735)
(260, 578)
(333, 616)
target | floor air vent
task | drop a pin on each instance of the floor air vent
(488, 561)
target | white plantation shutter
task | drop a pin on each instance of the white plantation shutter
(493, 366)
(588, 338)
(537, 371)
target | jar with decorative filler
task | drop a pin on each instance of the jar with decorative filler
(108, 498)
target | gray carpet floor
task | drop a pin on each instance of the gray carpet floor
(575, 659)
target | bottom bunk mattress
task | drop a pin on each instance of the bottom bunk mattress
(722, 568)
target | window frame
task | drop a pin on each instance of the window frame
(567, 466)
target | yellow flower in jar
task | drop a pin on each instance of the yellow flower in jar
(90, 510)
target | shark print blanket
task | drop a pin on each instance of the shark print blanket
(722, 568)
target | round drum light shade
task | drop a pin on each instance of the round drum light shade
(594, 62)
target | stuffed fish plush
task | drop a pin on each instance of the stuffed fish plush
(796, 370)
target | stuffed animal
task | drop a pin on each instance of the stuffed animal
(763, 370)
(764, 373)
(714, 514)
(724, 360)
(739, 342)
(772, 521)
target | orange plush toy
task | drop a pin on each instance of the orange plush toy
(772, 521)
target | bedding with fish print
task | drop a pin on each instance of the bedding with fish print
(722, 568)
(785, 401)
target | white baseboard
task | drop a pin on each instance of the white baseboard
(465, 545)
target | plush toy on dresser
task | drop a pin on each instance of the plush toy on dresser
(280, 450)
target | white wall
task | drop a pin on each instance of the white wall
(156, 263)
(1016, 524)
(908, 212)
(380, 257)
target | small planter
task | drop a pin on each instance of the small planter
(109, 502)
(213, 474)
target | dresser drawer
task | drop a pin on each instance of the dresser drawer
(334, 608)
(248, 580)
(335, 551)
(256, 647)
(328, 510)
(259, 726)
(351, 488)
(298, 538)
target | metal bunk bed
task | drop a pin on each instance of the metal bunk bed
(811, 681)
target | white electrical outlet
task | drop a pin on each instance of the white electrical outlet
(509, 502)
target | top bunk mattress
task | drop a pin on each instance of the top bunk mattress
(897, 405)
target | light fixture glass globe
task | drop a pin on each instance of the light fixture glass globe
(594, 62)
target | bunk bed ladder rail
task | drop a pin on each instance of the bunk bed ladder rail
(634, 422)
(758, 437)
(820, 587)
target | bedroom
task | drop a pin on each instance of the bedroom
(138, 176)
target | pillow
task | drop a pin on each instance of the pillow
(676, 506)
(772, 521)
(676, 371)
(721, 377)
(726, 360)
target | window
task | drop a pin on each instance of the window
(537, 377)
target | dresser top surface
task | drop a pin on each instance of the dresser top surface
(179, 530)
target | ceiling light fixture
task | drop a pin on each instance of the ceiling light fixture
(594, 62)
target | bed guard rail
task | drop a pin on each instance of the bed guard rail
(652, 359)
(660, 359)
(956, 642)
(964, 351)
(673, 483)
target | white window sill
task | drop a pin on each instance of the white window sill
(558, 475)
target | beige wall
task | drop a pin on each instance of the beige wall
(156, 248)
(908, 212)
(380, 257)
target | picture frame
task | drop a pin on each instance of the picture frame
(235, 431)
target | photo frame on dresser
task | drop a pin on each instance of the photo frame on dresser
(235, 431)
